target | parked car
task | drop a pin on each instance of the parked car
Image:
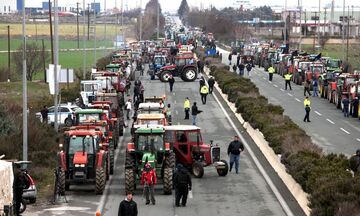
(65, 114)
(31, 192)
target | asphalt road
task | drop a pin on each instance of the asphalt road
(247, 193)
(328, 128)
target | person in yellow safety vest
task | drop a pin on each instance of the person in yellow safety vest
(187, 108)
(271, 71)
(204, 91)
(307, 107)
(287, 80)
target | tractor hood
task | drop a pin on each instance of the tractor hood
(168, 67)
(80, 158)
(148, 157)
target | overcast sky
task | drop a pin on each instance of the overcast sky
(173, 5)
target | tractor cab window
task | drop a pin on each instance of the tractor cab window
(76, 145)
(169, 137)
(152, 142)
(194, 136)
(181, 136)
(158, 61)
(317, 68)
(180, 61)
(88, 117)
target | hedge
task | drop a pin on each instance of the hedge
(333, 189)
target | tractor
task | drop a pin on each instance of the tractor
(148, 119)
(184, 67)
(82, 161)
(149, 146)
(190, 150)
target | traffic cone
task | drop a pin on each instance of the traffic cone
(97, 213)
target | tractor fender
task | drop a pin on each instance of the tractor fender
(101, 158)
(189, 66)
(62, 160)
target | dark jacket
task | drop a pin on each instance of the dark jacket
(346, 102)
(171, 80)
(211, 82)
(182, 179)
(241, 66)
(128, 208)
(235, 147)
(194, 110)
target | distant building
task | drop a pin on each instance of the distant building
(95, 6)
(8, 6)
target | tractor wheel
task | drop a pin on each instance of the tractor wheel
(100, 181)
(129, 162)
(111, 162)
(223, 171)
(62, 182)
(197, 169)
(170, 161)
(164, 76)
(108, 168)
(129, 180)
(189, 74)
(168, 181)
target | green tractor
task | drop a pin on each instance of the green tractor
(149, 146)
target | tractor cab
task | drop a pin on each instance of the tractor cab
(191, 151)
(149, 146)
(156, 119)
(88, 90)
(154, 99)
(88, 115)
(150, 108)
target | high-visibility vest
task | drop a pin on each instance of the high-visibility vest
(204, 90)
(288, 76)
(307, 102)
(271, 70)
(187, 104)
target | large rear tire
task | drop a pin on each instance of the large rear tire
(197, 169)
(223, 171)
(129, 180)
(62, 182)
(111, 162)
(189, 74)
(100, 181)
(168, 181)
(170, 161)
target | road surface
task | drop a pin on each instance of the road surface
(247, 193)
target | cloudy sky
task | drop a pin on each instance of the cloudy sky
(172, 5)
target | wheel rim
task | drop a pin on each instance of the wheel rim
(190, 74)
(196, 170)
(166, 76)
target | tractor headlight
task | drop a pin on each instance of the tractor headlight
(79, 165)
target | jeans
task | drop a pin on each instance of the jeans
(315, 91)
(181, 194)
(149, 189)
(287, 83)
(128, 114)
(187, 113)
(346, 111)
(194, 119)
(203, 98)
(307, 116)
(234, 159)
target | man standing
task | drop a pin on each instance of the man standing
(204, 91)
(44, 114)
(171, 82)
(128, 108)
(234, 150)
(182, 184)
(238, 60)
(345, 101)
(229, 58)
(20, 183)
(148, 179)
(271, 71)
(187, 108)
(211, 83)
(307, 107)
(287, 80)
(315, 87)
(128, 206)
(194, 112)
(248, 68)
(241, 69)
(355, 104)
(307, 87)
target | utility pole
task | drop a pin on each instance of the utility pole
(140, 37)
(122, 21)
(158, 20)
(8, 72)
(318, 28)
(324, 22)
(332, 18)
(94, 35)
(305, 30)
(105, 28)
(51, 33)
(56, 63)
(314, 32)
(24, 83)
(300, 9)
(88, 30)
(84, 41)
(343, 30)
(347, 35)
(77, 24)
(43, 56)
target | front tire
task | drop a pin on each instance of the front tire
(100, 181)
(189, 74)
(223, 171)
(129, 180)
(164, 76)
(198, 169)
(62, 182)
(168, 181)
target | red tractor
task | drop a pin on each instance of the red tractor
(83, 161)
(340, 87)
(184, 67)
(190, 150)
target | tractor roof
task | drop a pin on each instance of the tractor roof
(102, 102)
(149, 105)
(182, 128)
(149, 130)
(89, 111)
(151, 116)
(113, 65)
(102, 94)
(81, 133)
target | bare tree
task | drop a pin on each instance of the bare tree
(34, 60)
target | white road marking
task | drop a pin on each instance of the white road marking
(330, 121)
(275, 85)
(276, 192)
(290, 94)
(345, 130)
(174, 101)
(176, 112)
(282, 89)
(68, 208)
(268, 81)
(358, 139)
(297, 99)
(264, 78)
(318, 113)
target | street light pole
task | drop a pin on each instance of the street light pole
(94, 35)
(285, 32)
(8, 72)
(56, 62)
(140, 37)
(158, 20)
(24, 84)
(84, 41)
(105, 28)
(343, 30)
(77, 24)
